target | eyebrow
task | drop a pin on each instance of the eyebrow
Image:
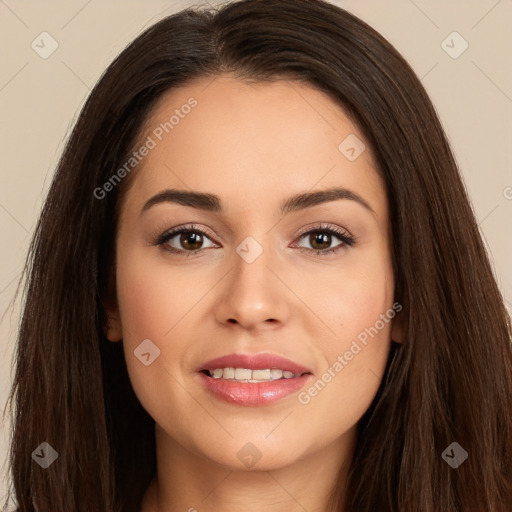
(213, 203)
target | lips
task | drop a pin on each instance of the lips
(252, 393)
(254, 362)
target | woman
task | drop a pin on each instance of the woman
(257, 282)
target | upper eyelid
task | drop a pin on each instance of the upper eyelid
(326, 227)
(187, 227)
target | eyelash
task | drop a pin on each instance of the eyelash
(347, 241)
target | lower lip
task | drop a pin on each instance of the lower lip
(253, 393)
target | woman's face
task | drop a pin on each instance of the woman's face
(270, 276)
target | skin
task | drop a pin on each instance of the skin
(254, 145)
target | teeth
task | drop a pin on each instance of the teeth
(260, 375)
(276, 373)
(242, 374)
(247, 375)
(229, 373)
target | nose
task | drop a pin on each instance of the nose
(254, 296)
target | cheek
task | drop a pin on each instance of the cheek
(354, 299)
(363, 333)
(152, 306)
(151, 299)
(359, 308)
(361, 303)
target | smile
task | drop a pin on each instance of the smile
(252, 379)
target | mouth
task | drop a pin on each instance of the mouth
(252, 380)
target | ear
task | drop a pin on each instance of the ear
(113, 329)
(397, 327)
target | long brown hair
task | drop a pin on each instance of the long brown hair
(450, 381)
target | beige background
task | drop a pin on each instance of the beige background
(39, 98)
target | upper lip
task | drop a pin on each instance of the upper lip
(254, 362)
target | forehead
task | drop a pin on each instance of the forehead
(244, 141)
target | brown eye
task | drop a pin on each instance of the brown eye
(191, 240)
(184, 240)
(320, 241)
